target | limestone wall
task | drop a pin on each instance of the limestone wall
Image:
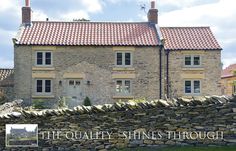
(23, 73)
(208, 73)
(187, 118)
(94, 64)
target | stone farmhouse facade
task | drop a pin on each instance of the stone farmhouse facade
(110, 61)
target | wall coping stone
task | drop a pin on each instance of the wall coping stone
(118, 106)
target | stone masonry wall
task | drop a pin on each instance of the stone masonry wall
(198, 121)
(23, 73)
(210, 70)
(6, 92)
(97, 64)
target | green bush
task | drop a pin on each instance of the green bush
(39, 104)
(87, 101)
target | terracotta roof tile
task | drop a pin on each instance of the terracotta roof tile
(189, 38)
(89, 33)
(6, 77)
(229, 71)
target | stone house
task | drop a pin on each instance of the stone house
(193, 61)
(22, 132)
(110, 61)
(6, 85)
(228, 80)
(18, 132)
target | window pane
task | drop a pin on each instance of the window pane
(127, 87)
(119, 59)
(127, 59)
(187, 86)
(77, 83)
(71, 82)
(39, 86)
(48, 58)
(39, 58)
(196, 86)
(47, 86)
(196, 60)
(119, 86)
(188, 60)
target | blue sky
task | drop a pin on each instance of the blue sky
(218, 14)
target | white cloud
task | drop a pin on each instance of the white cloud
(143, 17)
(228, 61)
(179, 3)
(12, 5)
(92, 6)
(75, 15)
(39, 15)
(8, 35)
(6, 63)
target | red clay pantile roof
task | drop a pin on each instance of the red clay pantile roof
(89, 33)
(189, 38)
(6, 77)
(229, 71)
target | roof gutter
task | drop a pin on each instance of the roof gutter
(161, 40)
(160, 77)
(167, 74)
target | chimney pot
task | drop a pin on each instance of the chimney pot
(27, 3)
(153, 13)
(26, 13)
(153, 4)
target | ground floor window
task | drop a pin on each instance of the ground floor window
(43, 86)
(192, 86)
(123, 87)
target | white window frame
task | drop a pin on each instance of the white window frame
(123, 59)
(123, 87)
(43, 87)
(192, 87)
(192, 61)
(44, 58)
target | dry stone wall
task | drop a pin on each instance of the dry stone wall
(196, 121)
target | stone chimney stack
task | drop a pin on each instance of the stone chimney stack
(153, 13)
(26, 13)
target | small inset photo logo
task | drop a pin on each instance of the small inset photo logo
(21, 135)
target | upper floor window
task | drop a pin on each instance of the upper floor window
(123, 87)
(43, 86)
(192, 87)
(124, 59)
(43, 58)
(192, 60)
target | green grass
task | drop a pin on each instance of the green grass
(188, 148)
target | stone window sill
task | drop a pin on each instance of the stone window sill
(123, 69)
(193, 69)
(43, 68)
(43, 97)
